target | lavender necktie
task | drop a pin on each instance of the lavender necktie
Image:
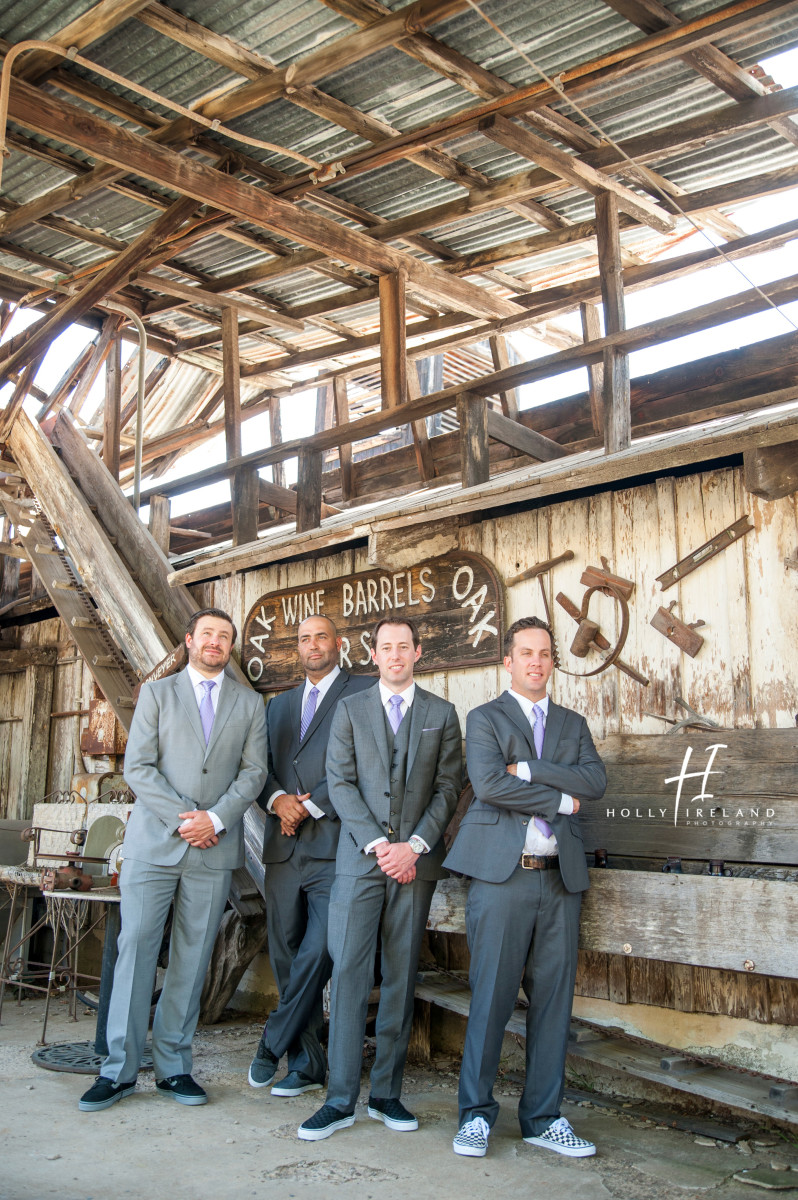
(538, 732)
(395, 712)
(309, 711)
(206, 709)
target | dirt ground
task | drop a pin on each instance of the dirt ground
(243, 1143)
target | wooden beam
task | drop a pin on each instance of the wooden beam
(275, 438)
(472, 417)
(591, 331)
(159, 522)
(519, 437)
(500, 354)
(214, 299)
(325, 405)
(393, 349)
(145, 157)
(424, 459)
(573, 171)
(99, 354)
(12, 661)
(308, 513)
(617, 398)
(89, 27)
(112, 408)
(244, 490)
(341, 401)
(18, 396)
(30, 343)
(771, 471)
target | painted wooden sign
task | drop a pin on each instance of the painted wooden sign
(455, 601)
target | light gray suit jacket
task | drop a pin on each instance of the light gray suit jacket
(358, 776)
(171, 770)
(492, 833)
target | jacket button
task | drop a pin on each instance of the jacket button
(525, 822)
(204, 770)
(384, 824)
(387, 795)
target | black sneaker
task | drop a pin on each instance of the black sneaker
(183, 1089)
(263, 1067)
(323, 1123)
(392, 1113)
(103, 1093)
(294, 1084)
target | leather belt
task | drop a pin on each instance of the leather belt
(533, 862)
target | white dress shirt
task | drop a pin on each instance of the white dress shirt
(386, 696)
(197, 682)
(322, 687)
(536, 843)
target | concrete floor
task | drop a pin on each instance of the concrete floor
(243, 1143)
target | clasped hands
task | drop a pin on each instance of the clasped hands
(290, 811)
(397, 860)
(197, 829)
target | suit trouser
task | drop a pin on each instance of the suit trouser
(361, 906)
(522, 931)
(147, 889)
(297, 902)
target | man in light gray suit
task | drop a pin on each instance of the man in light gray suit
(394, 774)
(299, 848)
(195, 759)
(530, 763)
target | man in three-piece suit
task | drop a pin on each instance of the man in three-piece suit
(299, 848)
(530, 763)
(196, 760)
(394, 773)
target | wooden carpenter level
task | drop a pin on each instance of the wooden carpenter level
(714, 546)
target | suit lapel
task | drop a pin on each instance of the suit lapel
(513, 711)
(330, 696)
(185, 693)
(554, 723)
(228, 698)
(295, 714)
(418, 716)
(377, 717)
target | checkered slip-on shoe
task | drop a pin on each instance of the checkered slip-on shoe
(472, 1140)
(560, 1137)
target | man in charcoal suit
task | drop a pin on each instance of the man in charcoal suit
(394, 773)
(196, 760)
(530, 762)
(299, 848)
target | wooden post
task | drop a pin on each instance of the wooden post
(35, 736)
(308, 509)
(324, 408)
(89, 372)
(160, 516)
(112, 409)
(393, 343)
(424, 459)
(591, 330)
(276, 435)
(472, 415)
(617, 399)
(341, 401)
(501, 359)
(244, 488)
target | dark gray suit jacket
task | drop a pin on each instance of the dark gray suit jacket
(301, 766)
(171, 770)
(358, 774)
(492, 833)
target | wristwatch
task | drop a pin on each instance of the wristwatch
(416, 845)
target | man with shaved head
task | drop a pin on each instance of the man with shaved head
(299, 851)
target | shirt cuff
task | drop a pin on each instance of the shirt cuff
(314, 809)
(421, 839)
(522, 771)
(218, 823)
(566, 805)
(272, 799)
(377, 842)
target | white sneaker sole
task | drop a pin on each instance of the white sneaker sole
(317, 1135)
(399, 1126)
(568, 1151)
(470, 1151)
(99, 1105)
(254, 1083)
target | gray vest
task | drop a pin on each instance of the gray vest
(398, 745)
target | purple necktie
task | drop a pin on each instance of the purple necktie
(206, 709)
(395, 712)
(309, 712)
(538, 732)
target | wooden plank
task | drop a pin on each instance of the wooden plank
(591, 330)
(512, 433)
(112, 409)
(501, 360)
(472, 417)
(308, 513)
(572, 170)
(23, 659)
(616, 384)
(159, 522)
(286, 499)
(35, 732)
(244, 489)
(772, 471)
(423, 451)
(393, 349)
(341, 402)
(134, 153)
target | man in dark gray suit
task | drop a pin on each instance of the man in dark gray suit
(394, 773)
(299, 848)
(196, 760)
(530, 763)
